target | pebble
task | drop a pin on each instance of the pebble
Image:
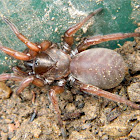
(121, 126)
(135, 133)
(134, 92)
(36, 133)
(83, 135)
(5, 91)
(116, 129)
(90, 108)
(70, 107)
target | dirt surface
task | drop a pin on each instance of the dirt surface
(32, 117)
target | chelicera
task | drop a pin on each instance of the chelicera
(91, 70)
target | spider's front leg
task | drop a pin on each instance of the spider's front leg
(99, 92)
(32, 46)
(16, 54)
(68, 36)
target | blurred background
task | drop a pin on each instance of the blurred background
(49, 19)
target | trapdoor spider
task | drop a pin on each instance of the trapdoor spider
(48, 63)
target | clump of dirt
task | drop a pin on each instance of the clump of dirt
(32, 115)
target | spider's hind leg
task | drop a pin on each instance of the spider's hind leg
(99, 92)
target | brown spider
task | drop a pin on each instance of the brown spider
(47, 63)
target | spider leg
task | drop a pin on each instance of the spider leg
(18, 71)
(97, 91)
(18, 75)
(68, 36)
(24, 83)
(37, 82)
(45, 45)
(103, 38)
(16, 54)
(32, 46)
(52, 96)
(10, 76)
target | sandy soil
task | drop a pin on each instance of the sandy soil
(100, 118)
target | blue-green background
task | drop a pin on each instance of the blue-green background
(49, 19)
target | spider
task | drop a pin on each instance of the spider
(51, 64)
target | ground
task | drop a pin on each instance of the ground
(99, 119)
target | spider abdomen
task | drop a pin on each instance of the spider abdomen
(100, 67)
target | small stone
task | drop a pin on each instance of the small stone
(135, 133)
(134, 61)
(90, 108)
(12, 127)
(4, 136)
(82, 135)
(36, 133)
(116, 129)
(5, 91)
(123, 138)
(137, 39)
(105, 137)
(70, 107)
(121, 126)
(134, 92)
